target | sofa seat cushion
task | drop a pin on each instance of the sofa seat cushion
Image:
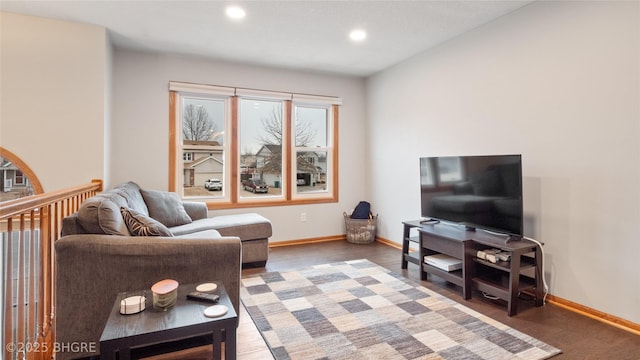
(205, 234)
(192, 227)
(249, 226)
(166, 207)
(142, 225)
(245, 226)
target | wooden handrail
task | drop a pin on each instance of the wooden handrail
(17, 206)
(29, 227)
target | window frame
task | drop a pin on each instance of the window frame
(232, 198)
(19, 178)
(328, 149)
(285, 133)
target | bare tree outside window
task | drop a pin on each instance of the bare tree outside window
(203, 146)
(196, 124)
(272, 128)
(272, 135)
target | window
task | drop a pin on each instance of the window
(19, 178)
(267, 148)
(16, 177)
(261, 146)
(203, 123)
(312, 126)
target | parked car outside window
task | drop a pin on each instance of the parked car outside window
(213, 184)
(255, 186)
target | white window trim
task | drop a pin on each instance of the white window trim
(285, 135)
(329, 149)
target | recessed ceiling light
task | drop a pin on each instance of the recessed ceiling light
(358, 35)
(235, 12)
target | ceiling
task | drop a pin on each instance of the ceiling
(307, 35)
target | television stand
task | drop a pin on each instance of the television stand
(407, 239)
(503, 279)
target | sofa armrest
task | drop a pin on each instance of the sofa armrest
(196, 210)
(71, 225)
(93, 269)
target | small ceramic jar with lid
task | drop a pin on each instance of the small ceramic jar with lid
(165, 294)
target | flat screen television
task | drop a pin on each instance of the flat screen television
(482, 192)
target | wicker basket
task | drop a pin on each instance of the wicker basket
(360, 231)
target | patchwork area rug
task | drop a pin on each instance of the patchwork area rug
(359, 310)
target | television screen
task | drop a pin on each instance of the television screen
(476, 191)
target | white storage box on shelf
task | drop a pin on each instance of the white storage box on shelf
(444, 262)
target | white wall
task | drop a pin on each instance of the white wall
(557, 82)
(140, 129)
(53, 97)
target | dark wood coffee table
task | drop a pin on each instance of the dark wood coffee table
(184, 320)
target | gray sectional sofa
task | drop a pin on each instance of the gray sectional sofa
(128, 238)
(102, 214)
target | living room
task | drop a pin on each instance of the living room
(557, 82)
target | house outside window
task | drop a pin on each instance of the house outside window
(313, 147)
(17, 180)
(261, 135)
(203, 141)
(267, 148)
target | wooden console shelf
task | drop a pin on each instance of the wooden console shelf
(503, 279)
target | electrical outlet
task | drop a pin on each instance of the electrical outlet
(303, 216)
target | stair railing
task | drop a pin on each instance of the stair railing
(29, 227)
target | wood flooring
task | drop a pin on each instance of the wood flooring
(578, 336)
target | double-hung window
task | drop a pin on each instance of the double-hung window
(234, 147)
(312, 160)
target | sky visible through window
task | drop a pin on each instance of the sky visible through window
(252, 128)
(215, 111)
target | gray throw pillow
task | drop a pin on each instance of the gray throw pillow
(142, 225)
(165, 207)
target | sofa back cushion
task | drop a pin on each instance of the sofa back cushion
(101, 214)
(131, 192)
(166, 207)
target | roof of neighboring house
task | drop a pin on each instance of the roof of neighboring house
(198, 162)
(7, 165)
(273, 149)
